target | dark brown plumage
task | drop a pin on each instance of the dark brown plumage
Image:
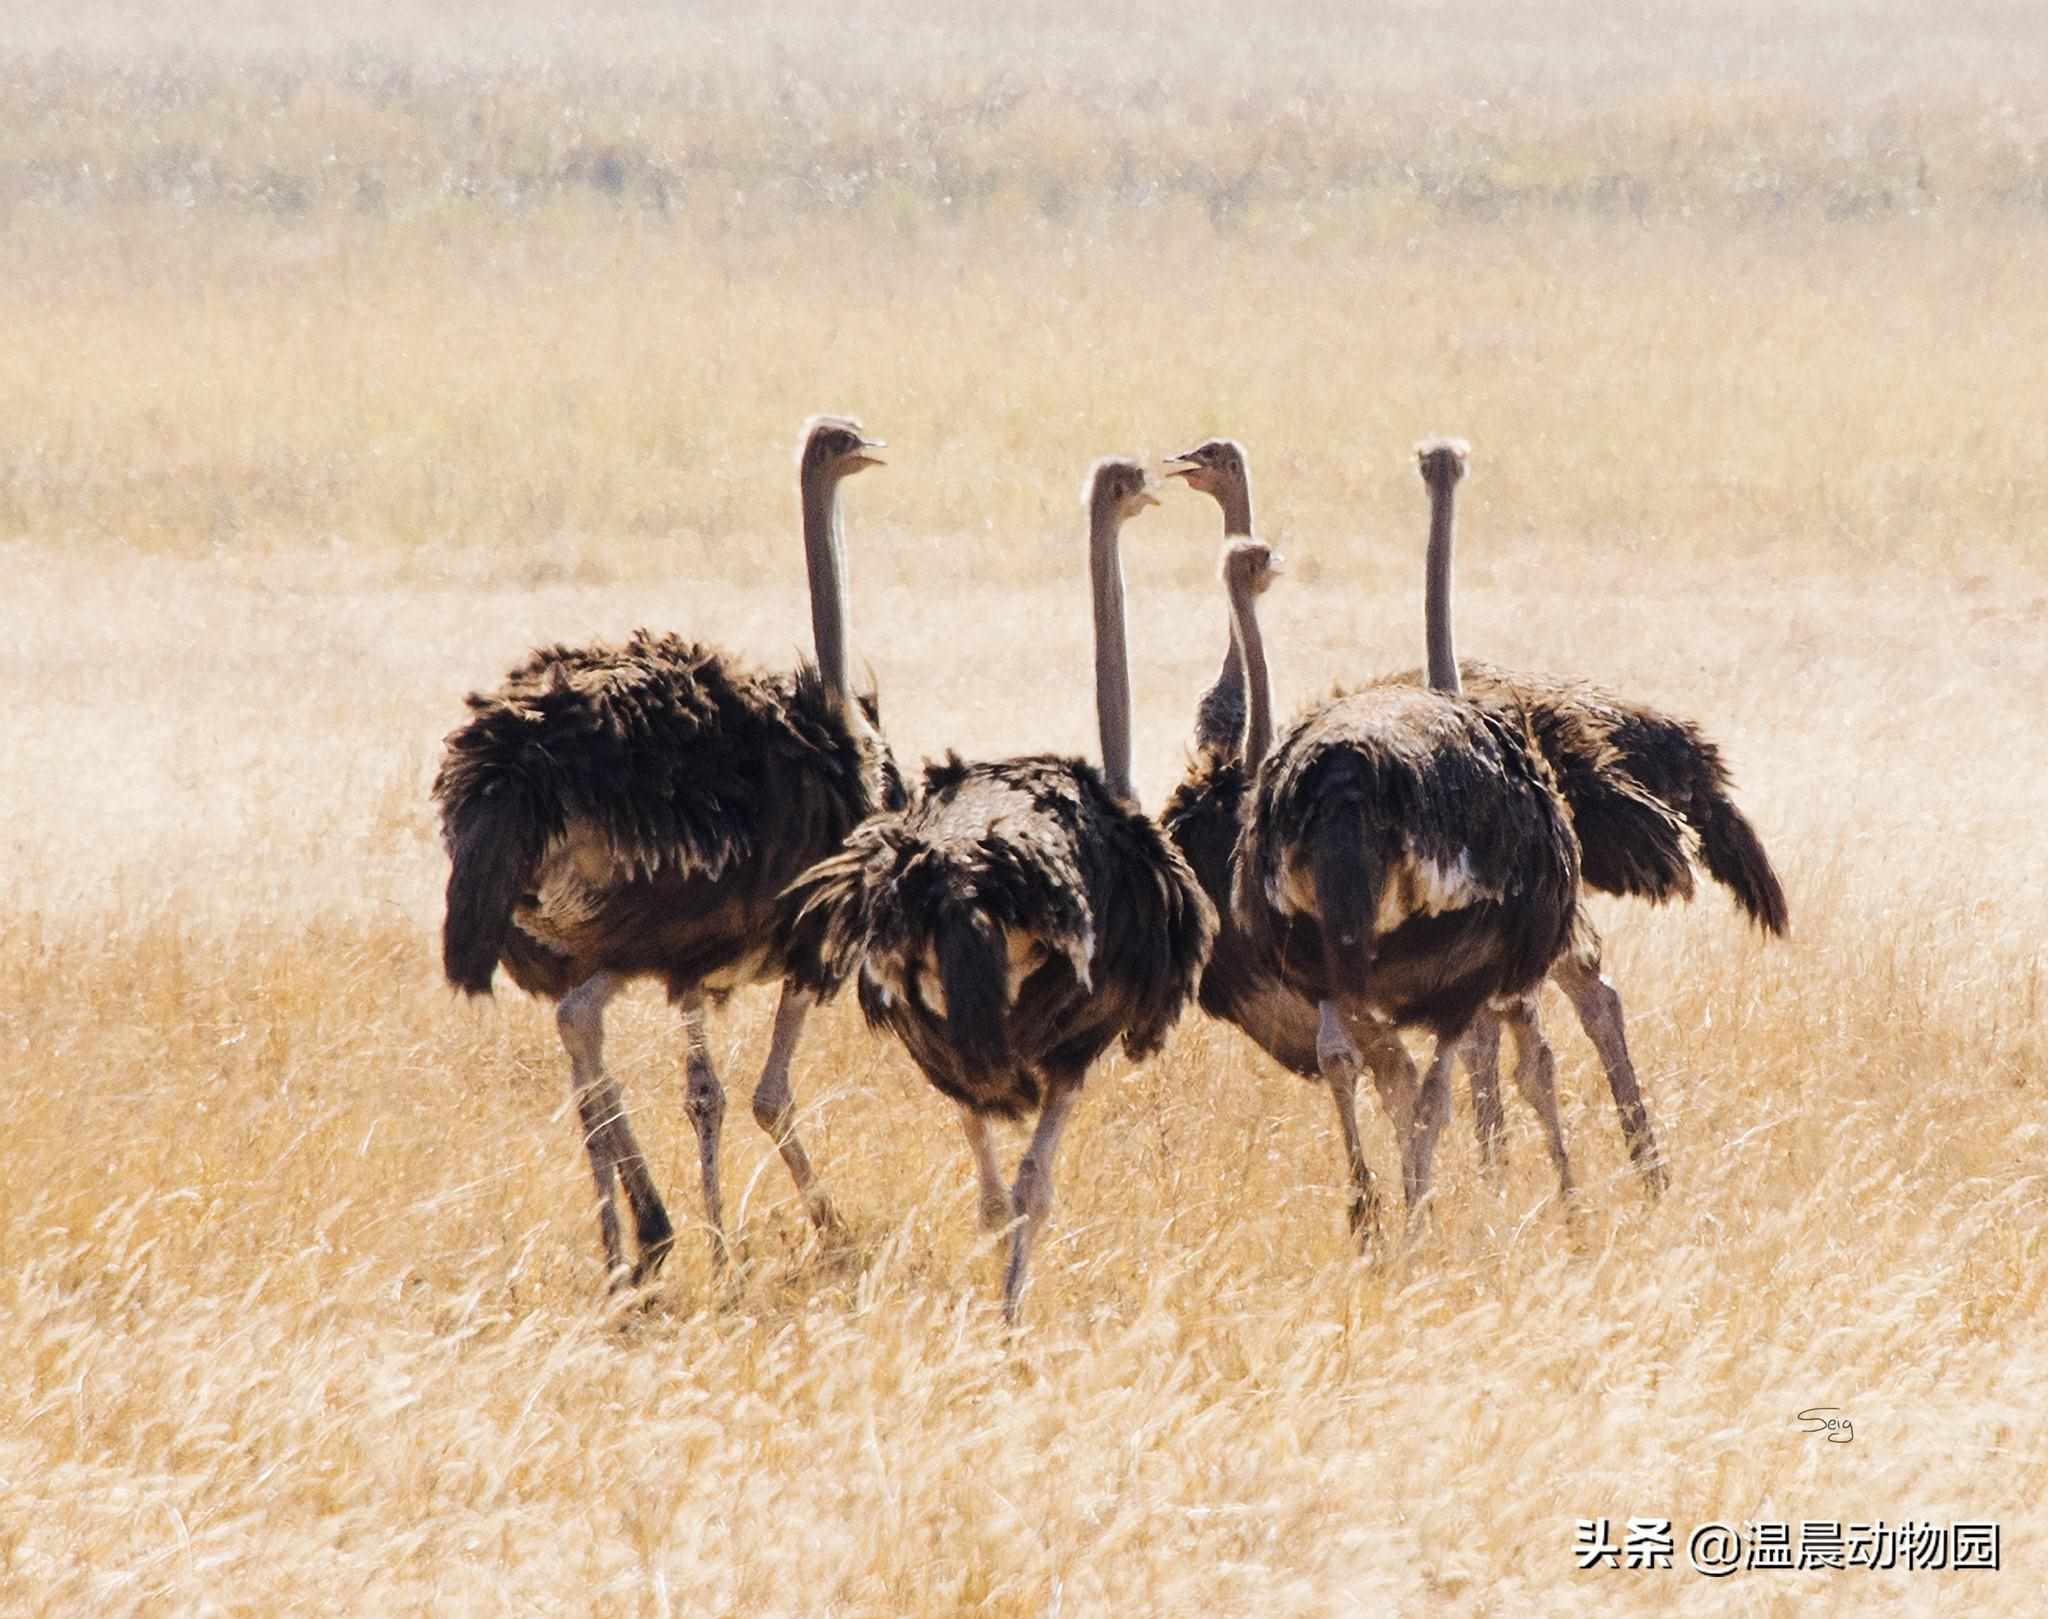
(1649, 793)
(1407, 853)
(1240, 984)
(1202, 817)
(1015, 919)
(639, 809)
(1402, 859)
(1609, 754)
(1205, 815)
(1019, 917)
(629, 811)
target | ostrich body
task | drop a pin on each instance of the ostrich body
(1403, 859)
(1625, 769)
(1019, 917)
(635, 811)
(1610, 755)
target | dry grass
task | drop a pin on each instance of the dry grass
(301, 1294)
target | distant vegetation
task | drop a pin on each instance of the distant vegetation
(1476, 111)
(417, 279)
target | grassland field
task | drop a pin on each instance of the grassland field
(348, 359)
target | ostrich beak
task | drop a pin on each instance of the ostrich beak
(1180, 466)
(1147, 498)
(861, 457)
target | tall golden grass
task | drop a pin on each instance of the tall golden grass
(302, 1307)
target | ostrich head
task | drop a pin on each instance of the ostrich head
(1442, 461)
(1118, 488)
(1212, 467)
(834, 447)
(1249, 567)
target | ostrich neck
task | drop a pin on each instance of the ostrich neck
(1436, 605)
(1112, 652)
(1258, 713)
(825, 562)
(1234, 495)
(1226, 695)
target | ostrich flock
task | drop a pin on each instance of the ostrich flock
(1407, 854)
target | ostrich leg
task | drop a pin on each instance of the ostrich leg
(608, 1134)
(996, 1209)
(1536, 1079)
(704, 1101)
(775, 1111)
(1599, 1009)
(1482, 1059)
(1033, 1191)
(1338, 1058)
(1424, 1123)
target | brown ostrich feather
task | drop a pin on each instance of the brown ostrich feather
(1393, 784)
(639, 807)
(1016, 917)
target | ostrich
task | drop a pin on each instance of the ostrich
(1018, 917)
(1202, 818)
(620, 812)
(1625, 768)
(1404, 859)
